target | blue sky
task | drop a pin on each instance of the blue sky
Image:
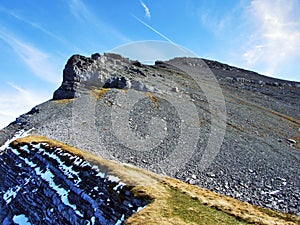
(37, 38)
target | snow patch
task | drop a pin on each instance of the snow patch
(47, 176)
(100, 174)
(113, 178)
(67, 170)
(21, 220)
(120, 185)
(63, 193)
(10, 194)
(25, 148)
(20, 134)
(120, 221)
(15, 151)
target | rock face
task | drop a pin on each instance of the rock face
(84, 73)
(255, 163)
(47, 185)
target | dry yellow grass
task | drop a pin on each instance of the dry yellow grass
(160, 190)
(153, 98)
(98, 94)
(64, 101)
(244, 102)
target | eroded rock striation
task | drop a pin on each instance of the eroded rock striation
(48, 185)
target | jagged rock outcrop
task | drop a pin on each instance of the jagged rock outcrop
(99, 71)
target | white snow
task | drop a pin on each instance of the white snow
(28, 162)
(93, 220)
(85, 163)
(67, 170)
(37, 146)
(77, 161)
(15, 151)
(113, 178)
(10, 194)
(63, 193)
(48, 177)
(66, 154)
(25, 148)
(96, 168)
(100, 174)
(140, 208)
(121, 184)
(21, 220)
(119, 222)
(96, 188)
(19, 134)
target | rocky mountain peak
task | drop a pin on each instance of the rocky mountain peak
(83, 73)
(110, 70)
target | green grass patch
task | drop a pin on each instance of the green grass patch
(284, 216)
(193, 211)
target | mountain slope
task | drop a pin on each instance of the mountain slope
(103, 100)
(166, 200)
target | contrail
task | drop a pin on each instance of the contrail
(154, 30)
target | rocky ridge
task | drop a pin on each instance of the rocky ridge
(258, 161)
(57, 187)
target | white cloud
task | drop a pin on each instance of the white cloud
(147, 11)
(34, 58)
(17, 101)
(275, 34)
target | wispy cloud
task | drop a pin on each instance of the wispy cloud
(275, 35)
(215, 25)
(147, 11)
(30, 23)
(82, 13)
(217, 19)
(17, 101)
(36, 60)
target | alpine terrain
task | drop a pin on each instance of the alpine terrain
(184, 141)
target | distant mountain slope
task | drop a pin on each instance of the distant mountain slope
(104, 99)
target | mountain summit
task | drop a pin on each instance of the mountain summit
(209, 124)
